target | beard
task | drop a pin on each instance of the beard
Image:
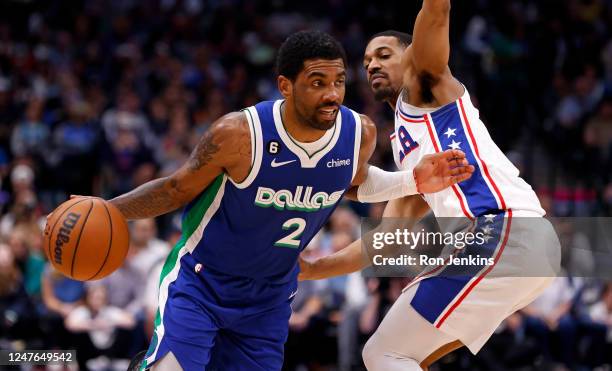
(311, 119)
(383, 93)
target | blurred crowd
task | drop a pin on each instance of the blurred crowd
(98, 97)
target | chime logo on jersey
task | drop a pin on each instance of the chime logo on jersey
(306, 201)
(338, 163)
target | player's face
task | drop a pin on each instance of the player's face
(383, 63)
(318, 91)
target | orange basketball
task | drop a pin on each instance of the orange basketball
(86, 238)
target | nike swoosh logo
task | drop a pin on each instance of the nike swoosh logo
(293, 294)
(277, 164)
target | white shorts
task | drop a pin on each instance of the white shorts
(469, 303)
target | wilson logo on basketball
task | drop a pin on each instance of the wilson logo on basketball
(63, 236)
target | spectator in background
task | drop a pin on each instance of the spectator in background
(24, 201)
(76, 143)
(21, 228)
(601, 313)
(26, 243)
(8, 108)
(548, 318)
(146, 250)
(509, 348)
(306, 328)
(127, 287)
(213, 107)
(344, 220)
(99, 322)
(383, 292)
(350, 338)
(174, 146)
(127, 115)
(17, 242)
(350, 297)
(17, 316)
(31, 136)
(576, 253)
(158, 116)
(23, 182)
(126, 161)
(335, 290)
(60, 296)
(598, 138)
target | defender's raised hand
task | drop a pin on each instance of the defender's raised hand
(438, 171)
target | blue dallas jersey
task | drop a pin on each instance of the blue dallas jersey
(257, 228)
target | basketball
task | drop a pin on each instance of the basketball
(86, 238)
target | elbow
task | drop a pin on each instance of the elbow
(178, 193)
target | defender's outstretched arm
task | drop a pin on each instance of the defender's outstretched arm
(432, 174)
(431, 40)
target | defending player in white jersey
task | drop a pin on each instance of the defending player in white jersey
(445, 308)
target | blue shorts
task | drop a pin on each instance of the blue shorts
(213, 321)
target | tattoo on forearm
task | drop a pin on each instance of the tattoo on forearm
(151, 199)
(203, 152)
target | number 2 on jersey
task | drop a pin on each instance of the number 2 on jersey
(292, 239)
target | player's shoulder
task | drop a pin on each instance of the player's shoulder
(233, 121)
(366, 122)
(368, 127)
(229, 130)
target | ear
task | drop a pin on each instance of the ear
(285, 86)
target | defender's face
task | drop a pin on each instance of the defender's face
(383, 63)
(318, 91)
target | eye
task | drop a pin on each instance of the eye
(340, 82)
(317, 83)
(385, 56)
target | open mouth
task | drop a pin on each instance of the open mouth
(328, 113)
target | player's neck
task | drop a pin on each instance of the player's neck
(393, 100)
(300, 131)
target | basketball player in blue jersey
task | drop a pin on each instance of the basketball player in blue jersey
(256, 189)
(447, 306)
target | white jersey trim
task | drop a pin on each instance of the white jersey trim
(357, 143)
(256, 148)
(305, 160)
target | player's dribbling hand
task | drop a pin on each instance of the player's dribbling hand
(438, 171)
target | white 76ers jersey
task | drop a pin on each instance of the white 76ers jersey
(495, 185)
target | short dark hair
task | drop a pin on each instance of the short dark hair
(403, 38)
(304, 45)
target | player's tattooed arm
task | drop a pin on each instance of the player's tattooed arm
(221, 149)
